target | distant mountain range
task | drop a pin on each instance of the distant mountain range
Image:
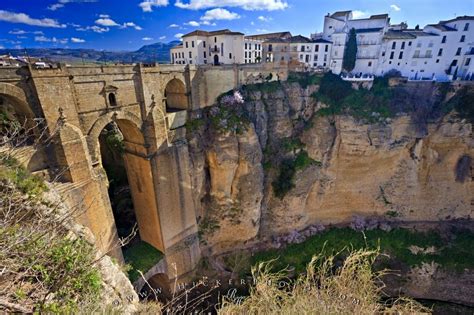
(149, 53)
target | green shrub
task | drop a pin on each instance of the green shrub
(194, 124)
(288, 168)
(304, 79)
(141, 257)
(28, 183)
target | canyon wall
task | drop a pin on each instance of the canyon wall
(399, 168)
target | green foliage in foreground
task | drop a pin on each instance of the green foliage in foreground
(10, 169)
(325, 288)
(463, 103)
(340, 98)
(141, 257)
(454, 254)
(46, 268)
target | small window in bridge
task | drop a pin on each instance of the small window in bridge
(112, 99)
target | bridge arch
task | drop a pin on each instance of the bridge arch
(14, 104)
(132, 152)
(175, 96)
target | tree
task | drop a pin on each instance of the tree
(350, 53)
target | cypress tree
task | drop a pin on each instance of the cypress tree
(350, 53)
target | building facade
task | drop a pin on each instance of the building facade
(216, 47)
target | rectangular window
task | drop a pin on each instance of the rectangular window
(190, 54)
(326, 48)
(205, 55)
(302, 48)
(443, 40)
(205, 61)
(391, 54)
(190, 62)
(383, 53)
(230, 55)
(187, 44)
(468, 61)
(428, 54)
(316, 48)
(245, 45)
(222, 49)
(325, 57)
(204, 44)
(192, 44)
(245, 54)
(270, 47)
(403, 45)
(463, 38)
(394, 45)
(466, 27)
(400, 56)
(418, 44)
(440, 52)
(417, 54)
(370, 63)
(315, 57)
(458, 52)
(215, 39)
(409, 43)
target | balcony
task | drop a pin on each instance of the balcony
(214, 50)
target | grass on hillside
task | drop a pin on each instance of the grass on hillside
(455, 254)
(141, 256)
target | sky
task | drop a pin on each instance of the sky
(130, 24)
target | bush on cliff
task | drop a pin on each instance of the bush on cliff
(45, 268)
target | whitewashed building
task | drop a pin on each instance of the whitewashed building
(216, 47)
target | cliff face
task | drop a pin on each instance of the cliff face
(396, 168)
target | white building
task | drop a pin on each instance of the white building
(216, 47)
(252, 50)
(438, 51)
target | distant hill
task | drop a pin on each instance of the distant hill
(149, 53)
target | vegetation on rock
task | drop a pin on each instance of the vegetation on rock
(326, 287)
(141, 257)
(45, 267)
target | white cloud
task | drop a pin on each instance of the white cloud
(359, 14)
(51, 40)
(262, 30)
(192, 23)
(219, 14)
(131, 24)
(94, 28)
(147, 5)
(252, 23)
(395, 7)
(23, 18)
(251, 5)
(38, 33)
(264, 18)
(2, 47)
(179, 35)
(173, 26)
(208, 23)
(162, 37)
(77, 40)
(106, 21)
(147, 38)
(61, 3)
(17, 32)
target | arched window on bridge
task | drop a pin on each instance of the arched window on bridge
(175, 96)
(112, 100)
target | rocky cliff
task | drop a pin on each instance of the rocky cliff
(271, 163)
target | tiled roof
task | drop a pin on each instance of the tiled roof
(320, 40)
(299, 39)
(340, 13)
(442, 27)
(212, 33)
(270, 35)
(369, 30)
(398, 35)
(379, 16)
(459, 18)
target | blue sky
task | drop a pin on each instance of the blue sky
(130, 24)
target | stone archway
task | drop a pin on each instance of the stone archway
(138, 172)
(175, 96)
(14, 105)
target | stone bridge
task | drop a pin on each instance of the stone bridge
(150, 105)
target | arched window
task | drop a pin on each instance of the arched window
(112, 99)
